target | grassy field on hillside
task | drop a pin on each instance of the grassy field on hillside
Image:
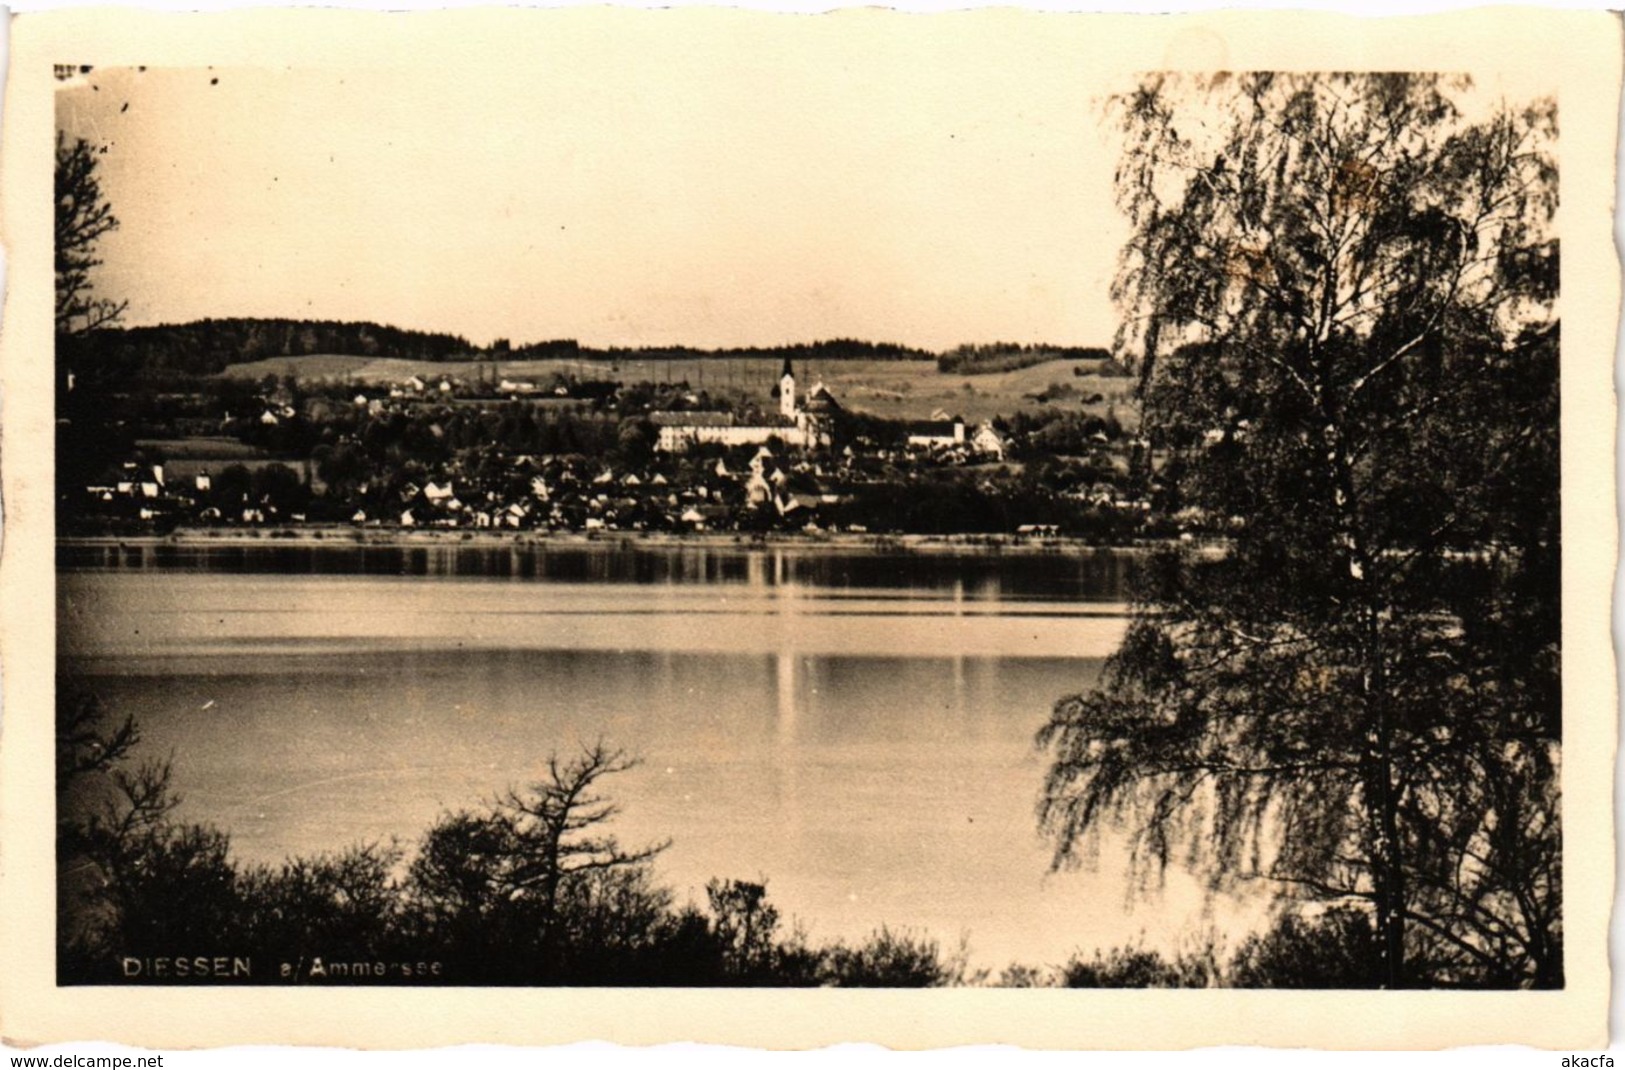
(212, 448)
(902, 389)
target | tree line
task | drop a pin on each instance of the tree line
(991, 357)
(205, 347)
(104, 351)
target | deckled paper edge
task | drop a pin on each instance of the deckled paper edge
(1584, 47)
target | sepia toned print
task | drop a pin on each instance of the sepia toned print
(1062, 536)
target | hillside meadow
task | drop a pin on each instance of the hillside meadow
(894, 389)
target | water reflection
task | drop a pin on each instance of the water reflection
(856, 728)
(785, 676)
(964, 574)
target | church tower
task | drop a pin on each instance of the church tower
(787, 391)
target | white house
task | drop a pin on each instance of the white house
(941, 431)
(988, 442)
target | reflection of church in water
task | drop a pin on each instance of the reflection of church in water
(803, 423)
(941, 675)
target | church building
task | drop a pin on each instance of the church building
(807, 423)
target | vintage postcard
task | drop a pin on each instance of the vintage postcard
(717, 525)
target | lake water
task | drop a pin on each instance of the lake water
(854, 727)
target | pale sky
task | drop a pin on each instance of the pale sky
(628, 177)
(775, 184)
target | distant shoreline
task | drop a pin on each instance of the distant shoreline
(846, 542)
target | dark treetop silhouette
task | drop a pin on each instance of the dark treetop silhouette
(1341, 289)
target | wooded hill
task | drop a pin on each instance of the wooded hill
(207, 347)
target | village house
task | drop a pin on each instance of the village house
(941, 430)
(988, 442)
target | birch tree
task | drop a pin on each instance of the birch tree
(1341, 291)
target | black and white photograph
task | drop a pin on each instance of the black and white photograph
(754, 501)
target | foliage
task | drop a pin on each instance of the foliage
(205, 347)
(754, 951)
(1021, 975)
(1327, 950)
(1342, 289)
(1011, 356)
(745, 924)
(1052, 432)
(343, 903)
(518, 876)
(83, 218)
(1331, 950)
(1133, 967)
(800, 352)
(128, 876)
(894, 960)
